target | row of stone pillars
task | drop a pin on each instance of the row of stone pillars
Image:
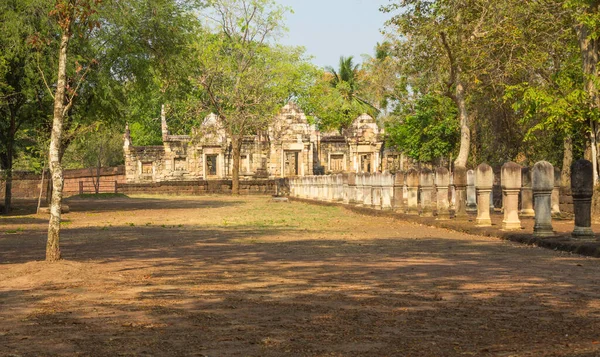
(426, 192)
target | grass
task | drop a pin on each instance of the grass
(101, 195)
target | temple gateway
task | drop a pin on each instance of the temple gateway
(290, 147)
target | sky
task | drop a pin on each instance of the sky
(329, 29)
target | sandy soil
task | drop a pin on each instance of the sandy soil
(222, 276)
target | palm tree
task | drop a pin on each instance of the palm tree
(345, 79)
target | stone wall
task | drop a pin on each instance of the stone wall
(200, 187)
(26, 185)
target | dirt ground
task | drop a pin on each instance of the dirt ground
(223, 276)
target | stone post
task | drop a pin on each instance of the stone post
(526, 193)
(511, 187)
(345, 189)
(556, 193)
(360, 181)
(543, 183)
(368, 190)
(471, 193)
(320, 188)
(340, 189)
(460, 184)
(582, 188)
(312, 187)
(484, 182)
(376, 191)
(426, 188)
(387, 191)
(399, 191)
(412, 186)
(351, 188)
(442, 182)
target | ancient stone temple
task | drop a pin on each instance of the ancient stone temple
(290, 147)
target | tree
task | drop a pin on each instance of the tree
(428, 132)
(241, 76)
(440, 45)
(23, 100)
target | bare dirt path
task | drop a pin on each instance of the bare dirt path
(223, 276)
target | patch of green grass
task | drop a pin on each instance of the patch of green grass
(101, 195)
(14, 231)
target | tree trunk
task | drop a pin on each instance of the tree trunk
(589, 48)
(567, 161)
(54, 156)
(236, 143)
(465, 132)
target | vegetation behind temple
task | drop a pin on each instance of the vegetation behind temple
(525, 87)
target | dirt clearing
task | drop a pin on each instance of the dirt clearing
(223, 276)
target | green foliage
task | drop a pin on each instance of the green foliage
(428, 132)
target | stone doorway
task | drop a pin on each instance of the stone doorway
(291, 163)
(365, 163)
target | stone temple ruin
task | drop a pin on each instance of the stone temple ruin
(290, 147)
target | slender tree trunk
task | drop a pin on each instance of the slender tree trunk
(236, 142)
(567, 161)
(589, 48)
(54, 159)
(7, 162)
(465, 132)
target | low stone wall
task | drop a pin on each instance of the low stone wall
(200, 187)
(26, 185)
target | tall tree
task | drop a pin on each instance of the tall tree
(440, 46)
(244, 78)
(22, 96)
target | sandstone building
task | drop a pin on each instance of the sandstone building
(290, 147)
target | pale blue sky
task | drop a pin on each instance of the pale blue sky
(329, 29)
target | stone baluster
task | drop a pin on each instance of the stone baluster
(460, 184)
(376, 191)
(360, 179)
(582, 188)
(341, 189)
(350, 197)
(368, 190)
(556, 193)
(511, 187)
(426, 188)
(399, 191)
(345, 189)
(471, 193)
(484, 182)
(387, 191)
(331, 187)
(543, 184)
(442, 182)
(526, 193)
(412, 187)
(321, 188)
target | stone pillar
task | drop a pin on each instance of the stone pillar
(376, 191)
(387, 191)
(526, 193)
(340, 189)
(543, 183)
(582, 188)
(484, 182)
(322, 188)
(360, 181)
(442, 182)
(312, 187)
(460, 184)
(556, 193)
(511, 187)
(368, 190)
(351, 197)
(399, 191)
(345, 189)
(471, 193)
(412, 186)
(426, 188)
